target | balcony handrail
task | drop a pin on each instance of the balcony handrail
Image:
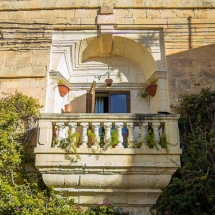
(94, 117)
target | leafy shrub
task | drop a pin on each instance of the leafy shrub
(18, 116)
(192, 188)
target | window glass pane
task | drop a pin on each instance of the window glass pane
(118, 103)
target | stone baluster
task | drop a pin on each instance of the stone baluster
(155, 127)
(73, 126)
(143, 128)
(61, 131)
(96, 126)
(130, 126)
(119, 126)
(84, 137)
(107, 126)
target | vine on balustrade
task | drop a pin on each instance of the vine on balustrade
(70, 144)
(151, 141)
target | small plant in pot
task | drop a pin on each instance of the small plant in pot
(142, 93)
(108, 82)
(67, 108)
(63, 87)
(151, 89)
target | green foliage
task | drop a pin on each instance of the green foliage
(142, 93)
(163, 142)
(91, 134)
(192, 188)
(114, 137)
(17, 117)
(69, 144)
(150, 139)
(105, 208)
(138, 144)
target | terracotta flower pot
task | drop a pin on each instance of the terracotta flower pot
(151, 89)
(63, 90)
(67, 108)
(109, 82)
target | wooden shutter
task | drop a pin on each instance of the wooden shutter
(91, 98)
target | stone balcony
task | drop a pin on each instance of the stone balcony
(129, 177)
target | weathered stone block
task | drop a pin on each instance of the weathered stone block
(66, 13)
(39, 71)
(87, 199)
(185, 62)
(135, 181)
(15, 15)
(24, 71)
(105, 9)
(71, 180)
(153, 14)
(208, 72)
(35, 4)
(106, 19)
(122, 13)
(137, 198)
(32, 14)
(62, 4)
(14, 83)
(53, 179)
(139, 13)
(183, 83)
(93, 3)
(142, 21)
(84, 13)
(91, 180)
(48, 14)
(113, 181)
(139, 3)
(88, 21)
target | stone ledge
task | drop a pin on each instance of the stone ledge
(113, 151)
(108, 190)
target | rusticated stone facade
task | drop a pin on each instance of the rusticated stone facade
(27, 26)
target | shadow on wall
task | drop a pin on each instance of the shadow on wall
(190, 71)
(79, 104)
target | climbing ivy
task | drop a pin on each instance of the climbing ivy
(192, 188)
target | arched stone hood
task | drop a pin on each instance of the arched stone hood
(109, 46)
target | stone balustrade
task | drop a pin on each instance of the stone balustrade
(135, 127)
(128, 177)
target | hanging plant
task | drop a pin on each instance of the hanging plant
(151, 89)
(142, 93)
(63, 87)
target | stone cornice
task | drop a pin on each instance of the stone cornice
(161, 74)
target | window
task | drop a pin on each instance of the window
(112, 102)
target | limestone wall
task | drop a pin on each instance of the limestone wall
(27, 26)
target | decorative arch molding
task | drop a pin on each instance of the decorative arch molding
(109, 46)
